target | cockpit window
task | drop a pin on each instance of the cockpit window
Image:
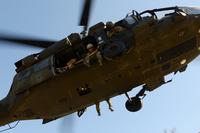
(191, 10)
(130, 20)
(164, 12)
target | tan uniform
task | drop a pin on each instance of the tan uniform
(70, 64)
(109, 104)
(98, 106)
(89, 55)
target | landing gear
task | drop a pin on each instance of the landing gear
(134, 104)
(81, 112)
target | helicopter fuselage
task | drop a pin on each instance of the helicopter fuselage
(157, 47)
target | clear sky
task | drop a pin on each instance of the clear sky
(175, 105)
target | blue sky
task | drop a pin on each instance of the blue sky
(174, 105)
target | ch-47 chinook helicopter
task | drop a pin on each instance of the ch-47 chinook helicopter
(143, 52)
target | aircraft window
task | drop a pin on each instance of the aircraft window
(152, 14)
(130, 20)
(190, 10)
(172, 13)
(183, 13)
(157, 13)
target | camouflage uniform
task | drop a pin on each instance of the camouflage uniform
(95, 52)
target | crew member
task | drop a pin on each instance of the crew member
(91, 50)
(109, 28)
(112, 29)
(109, 106)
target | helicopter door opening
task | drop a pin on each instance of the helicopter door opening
(74, 55)
(88, 40)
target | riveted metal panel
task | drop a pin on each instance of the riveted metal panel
(177, 50)
(34, 75)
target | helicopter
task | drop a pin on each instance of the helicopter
(139, 54)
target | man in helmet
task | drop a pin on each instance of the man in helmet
(109, 106)
(112, 29)
(92, 50)
(109, 28)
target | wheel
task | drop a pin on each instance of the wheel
(134, 105)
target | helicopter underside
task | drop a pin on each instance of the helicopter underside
(61, 96)
(158, 50)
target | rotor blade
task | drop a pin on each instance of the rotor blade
(85, 13)
(27, 41)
